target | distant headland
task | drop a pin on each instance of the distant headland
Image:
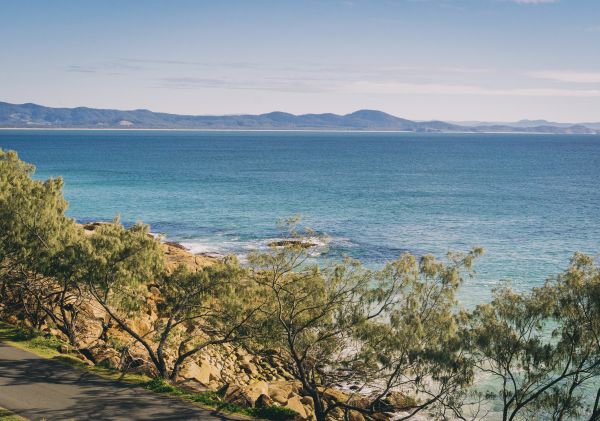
(36, 116)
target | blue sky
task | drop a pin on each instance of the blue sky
(420, 59)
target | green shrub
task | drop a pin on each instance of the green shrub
(275, 413)
(159, 385)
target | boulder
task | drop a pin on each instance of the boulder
(263, 401)
(288, 243)
(281, 390)
(234, 394)
(193, 386)
(279, 395)
(203, 373)
(360, 401)
(65, 349)
(105, 356)
(141, 326)
(308, 401)
(246, 395)
(154, 291)
(254, 390)
(55, 332)
(295, 404)
(334, 395)
(355, 416)
(249, 368)
(336, 414)
(175, 245)
(399, 400)
(382, 416)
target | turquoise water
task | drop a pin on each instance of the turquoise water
(529, 200)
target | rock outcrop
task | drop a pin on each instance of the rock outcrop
(279, 393)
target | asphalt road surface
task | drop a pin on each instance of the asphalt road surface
(37, 388)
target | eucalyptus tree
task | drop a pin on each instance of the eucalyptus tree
(371, 330)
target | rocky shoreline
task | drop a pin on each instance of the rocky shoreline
(240, 376)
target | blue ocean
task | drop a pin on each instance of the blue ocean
(529, 200)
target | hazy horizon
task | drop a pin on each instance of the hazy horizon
(466, 123)
(451, 60)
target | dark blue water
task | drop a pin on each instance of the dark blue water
(529, 200)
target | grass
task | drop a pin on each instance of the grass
(6, 415)
(46, 346)
(213, 400)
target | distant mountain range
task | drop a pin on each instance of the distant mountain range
(526, 124)
(37, 116)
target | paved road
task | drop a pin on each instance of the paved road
(38, 388)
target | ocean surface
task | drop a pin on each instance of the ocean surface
(530, 200)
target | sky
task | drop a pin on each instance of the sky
(454, 60)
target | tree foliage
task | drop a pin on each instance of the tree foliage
(210, 306)
(543, 348)
(196, 309)
(395, 337)
(38, 247)
(377, 330)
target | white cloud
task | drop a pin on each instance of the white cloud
(371, 86)
(567, 76)
(441, 89)
(534, 1)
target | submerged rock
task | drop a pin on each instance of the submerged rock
(175, 244)
(286, 243)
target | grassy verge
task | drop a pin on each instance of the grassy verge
(46, 346)
(6, 415)
(213, 400)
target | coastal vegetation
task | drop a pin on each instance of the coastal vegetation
(48, 346)
(289, 336)
(543, 347)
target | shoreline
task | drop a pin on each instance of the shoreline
(86, 129)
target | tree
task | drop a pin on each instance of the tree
(543, 347)
(195, 309)
(38, 247)
(417, 348)
(118, 264)
(372, 329)
(210, 306)
(396, 332)
(576, 294)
